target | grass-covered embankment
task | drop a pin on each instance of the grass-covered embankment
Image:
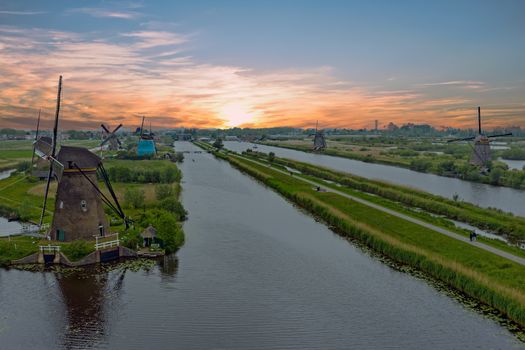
(415, 212)
(364, 157)
(489, 278)
(510, 226)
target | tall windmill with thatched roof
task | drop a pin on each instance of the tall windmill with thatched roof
(79, 211)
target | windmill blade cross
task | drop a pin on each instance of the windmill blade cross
(105, 128)
(105, 141)
(462, 139)
(116, 129)
(53, 151)
(500, 135)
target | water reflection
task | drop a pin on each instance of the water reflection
(92, 296)
(168, 266)
(84, 295)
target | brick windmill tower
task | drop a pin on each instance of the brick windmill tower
(79, 202)
(319, 139)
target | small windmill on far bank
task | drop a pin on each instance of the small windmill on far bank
(110, 138)
(319, 139)
(481, 154)
(146, 145)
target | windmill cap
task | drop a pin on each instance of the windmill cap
(82, 157)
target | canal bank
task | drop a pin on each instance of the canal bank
(255, 272)
(486, 196)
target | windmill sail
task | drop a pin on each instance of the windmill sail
(43, 147)
(111, 137)
(53, 150)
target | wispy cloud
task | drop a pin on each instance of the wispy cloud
(149, 39)
(106, 13)
(22, 13)
(150, 72)
(466, 84)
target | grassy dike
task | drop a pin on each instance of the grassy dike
(505, 224)
(415, 212)
(402, 163)
(491, 279)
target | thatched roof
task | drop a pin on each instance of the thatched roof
(79, 155)
(149, 232)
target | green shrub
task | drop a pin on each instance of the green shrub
(23, 166)
(172, 205)
(134, 198)
(163, 191)
(76, 250)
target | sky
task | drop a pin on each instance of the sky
(263, 63)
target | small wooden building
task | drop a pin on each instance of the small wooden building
(149, 235)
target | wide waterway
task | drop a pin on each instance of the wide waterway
(255, 272)
(504, 198)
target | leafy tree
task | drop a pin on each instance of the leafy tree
(172, 205)
(514, 153)
(23, 166)
(495, 175)
(24, 210)
(271, 157)
(164, 191)
(168, 230)
(134, 198)
(179, 157)
(421, 165)
(218, 144)
(446, 166)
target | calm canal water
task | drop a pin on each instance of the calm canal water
(507, 199)
(513, 164)
(255, 272)
(12, 227)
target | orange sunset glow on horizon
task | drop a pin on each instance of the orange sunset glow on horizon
(167, 73)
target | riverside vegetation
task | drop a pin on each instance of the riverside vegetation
(493, 280)
(439, 158)
(147, 189)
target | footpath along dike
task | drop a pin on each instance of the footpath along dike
(483, 275)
